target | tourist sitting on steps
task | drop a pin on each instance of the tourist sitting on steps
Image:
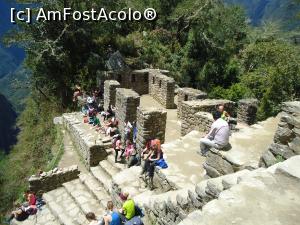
(145, 154)
(218, 136)
(19, 214)
(92, 218)
(127, 212)
(117, 145)
(150, 163)
(112, 217)
(131, 154)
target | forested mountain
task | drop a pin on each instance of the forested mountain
(204, 43)
(283, 12)
(8, 130)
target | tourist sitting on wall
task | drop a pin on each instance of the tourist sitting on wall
(150, 163)
(145, 154)
(77, 93)
(110, 112)
(117, 145)
(91, 217)
(111, 125)
(112, 217)
(131, 154)
(127, 212)
(218, 136)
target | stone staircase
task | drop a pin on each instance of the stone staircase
(89, 193)
(264, 196)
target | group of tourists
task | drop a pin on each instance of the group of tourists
(128, 214)
(24, 210)
(124, 144)
(218, 136)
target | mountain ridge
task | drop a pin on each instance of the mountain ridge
(279, 11)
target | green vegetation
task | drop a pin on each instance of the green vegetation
(203, 43)
(38, 148)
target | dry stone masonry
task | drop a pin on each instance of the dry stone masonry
(90, 146)
(247, 109)
(110, 87)
(151, 123)
(161, 88)
(172, 207)
(52, 179)
(127, 102)
(189, 109)
(287, 137)
(188, 94)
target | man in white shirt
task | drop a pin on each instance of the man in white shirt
(218, 136)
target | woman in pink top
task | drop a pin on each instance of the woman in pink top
(118, 147)
(130, 154)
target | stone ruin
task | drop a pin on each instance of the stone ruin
(170, 204)
(247, 109)
(127, 102)
(161, 88)
(151, 124)
(286, 142)
(110, 87)
(196, 114)
(52, 179)
(188, 94)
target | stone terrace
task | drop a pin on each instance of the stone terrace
(247, 147)
(266, 197)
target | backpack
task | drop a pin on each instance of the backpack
(135, 221)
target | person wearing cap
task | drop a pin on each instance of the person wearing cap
(128, 209)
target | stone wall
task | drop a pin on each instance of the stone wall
(137, 80)
(52, 179)
(92, 149)
(110, 87)
(246, 112)
(190, 108)
(287, 137)
(172, 207)
(127, 102)
(151, 123)
(162, 88)
(188, 94)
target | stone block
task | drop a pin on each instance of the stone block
(162, 88)
(247, 109)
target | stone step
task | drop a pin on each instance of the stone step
(96, 188)
(111, 169)
(84, 199)
(192, 218)
(64, 208)
(120, 166)
(102, 176)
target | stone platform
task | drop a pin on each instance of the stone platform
(172, 126)
(185, 165)
(248, 144)
(91, 145)
(262, 197)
